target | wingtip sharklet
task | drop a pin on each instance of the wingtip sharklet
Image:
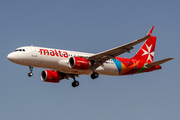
(150, 31)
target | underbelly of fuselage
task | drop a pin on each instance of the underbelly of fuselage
(106, 69)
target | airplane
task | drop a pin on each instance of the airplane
(65, 64)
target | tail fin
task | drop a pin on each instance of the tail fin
(146, 52)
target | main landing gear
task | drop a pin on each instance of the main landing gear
(31, 69)
(75, 83)
(94, 75)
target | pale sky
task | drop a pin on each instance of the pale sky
(89, 26)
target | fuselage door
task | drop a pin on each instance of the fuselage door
(34, 51)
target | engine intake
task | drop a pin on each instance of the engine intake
(79, 63)
(51, 76)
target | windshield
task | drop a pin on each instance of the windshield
(22, 50)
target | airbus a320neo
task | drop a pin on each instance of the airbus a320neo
(65, 64)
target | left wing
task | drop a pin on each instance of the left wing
(100, 58)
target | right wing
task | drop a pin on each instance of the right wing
(100, 58)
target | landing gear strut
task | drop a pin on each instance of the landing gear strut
(75, 83)
(31, 69)
(94, 75)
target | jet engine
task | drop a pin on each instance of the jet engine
(79, 63)
(51, 76)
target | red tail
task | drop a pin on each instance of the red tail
(146, 52)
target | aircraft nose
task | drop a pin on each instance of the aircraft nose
(15, 58)
(11, 57)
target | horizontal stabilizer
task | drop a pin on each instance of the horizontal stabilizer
(158, 62)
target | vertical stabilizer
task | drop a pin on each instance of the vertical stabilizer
(146, 52)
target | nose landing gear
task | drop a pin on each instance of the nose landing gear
(31, 69)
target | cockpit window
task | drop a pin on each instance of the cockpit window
(20, 50)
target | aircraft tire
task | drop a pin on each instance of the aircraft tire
(94, 75)
(75, 84)
(30, 74)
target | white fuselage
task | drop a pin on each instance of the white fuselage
(56, 59)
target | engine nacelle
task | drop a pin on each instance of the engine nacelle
(51, 76)
(79, 63)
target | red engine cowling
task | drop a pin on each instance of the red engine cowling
(79, 63)
(51, 76)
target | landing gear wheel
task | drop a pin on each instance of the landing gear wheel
(30, 74)
(75, 83)
(94, 75)
(31, 69)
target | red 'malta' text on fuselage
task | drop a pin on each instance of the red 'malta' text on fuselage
(54, 52)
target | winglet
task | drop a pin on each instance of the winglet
(150, 31)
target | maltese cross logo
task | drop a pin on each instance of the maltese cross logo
(149, 53)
